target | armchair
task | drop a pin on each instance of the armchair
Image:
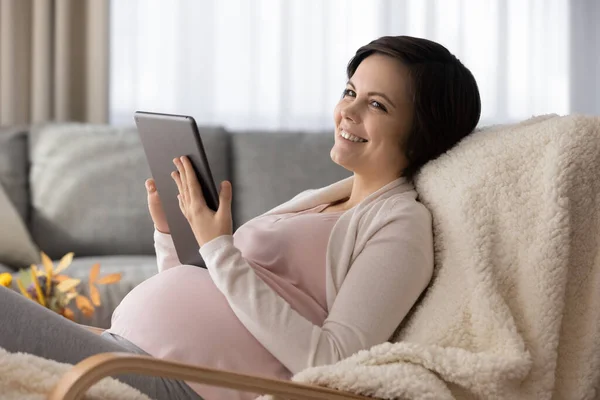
(512, 311)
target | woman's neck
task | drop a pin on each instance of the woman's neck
(363, 186)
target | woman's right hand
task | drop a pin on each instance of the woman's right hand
(155, 207)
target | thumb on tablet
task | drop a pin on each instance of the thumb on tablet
(225, 196)
(155, 206)
(225, 193)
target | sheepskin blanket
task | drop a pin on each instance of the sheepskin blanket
(28, 377)
(513, 311)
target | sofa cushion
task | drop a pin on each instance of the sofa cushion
(270, 168)
(87, 188)
(13, 167)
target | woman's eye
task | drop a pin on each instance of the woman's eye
(349, 92)
(377, 104)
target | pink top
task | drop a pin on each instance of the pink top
(179, 314)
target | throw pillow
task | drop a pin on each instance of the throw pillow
(17, 250)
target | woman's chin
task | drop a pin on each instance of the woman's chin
(342, 159)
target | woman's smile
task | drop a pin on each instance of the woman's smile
(349, 137)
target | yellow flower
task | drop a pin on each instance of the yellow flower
(60, 289)
(106, 280)
(49, 269)
(5, 279)
(40, 296)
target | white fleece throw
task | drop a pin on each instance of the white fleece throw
(513, 311)
(28, 377)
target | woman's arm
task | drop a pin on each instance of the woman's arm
(166, 256)
(382, 285)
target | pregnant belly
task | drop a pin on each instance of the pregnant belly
(180, 315)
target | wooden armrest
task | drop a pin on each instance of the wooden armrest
(74, 384)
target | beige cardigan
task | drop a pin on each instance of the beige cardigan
(379, 260)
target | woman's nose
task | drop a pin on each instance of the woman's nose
(351, 112)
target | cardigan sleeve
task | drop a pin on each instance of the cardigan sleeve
(166, 256)
(383, 283)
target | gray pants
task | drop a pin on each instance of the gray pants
(27, 327)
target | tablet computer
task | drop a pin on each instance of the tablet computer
(165, 137)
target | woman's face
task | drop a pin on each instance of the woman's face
(372, 118)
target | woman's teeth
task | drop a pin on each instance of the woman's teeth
(351, 138)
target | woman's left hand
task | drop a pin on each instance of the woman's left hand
(205, 223)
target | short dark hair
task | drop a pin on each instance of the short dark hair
(445, 95)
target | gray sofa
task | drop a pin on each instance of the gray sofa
(80, 188)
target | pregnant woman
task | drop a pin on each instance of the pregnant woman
(331, 272)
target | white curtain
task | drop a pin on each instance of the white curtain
(280, 64)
